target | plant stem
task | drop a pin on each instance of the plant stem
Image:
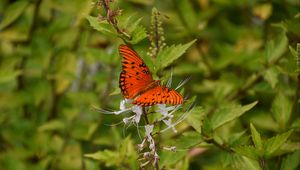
(21, 78)
(262, 163)
(145, 115)
(110, 17)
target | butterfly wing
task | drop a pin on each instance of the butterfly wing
(135, 75)
(159, 95)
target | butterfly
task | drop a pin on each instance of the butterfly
(136, 82)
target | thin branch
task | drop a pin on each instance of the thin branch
(262, 163)
(145, 116)
(21, 78)
(110, 18)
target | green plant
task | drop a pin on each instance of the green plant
(58, 58)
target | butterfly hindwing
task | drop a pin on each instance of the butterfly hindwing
(159, 95)
(135, 75)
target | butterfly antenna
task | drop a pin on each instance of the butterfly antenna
(183, 82)
(170, 79)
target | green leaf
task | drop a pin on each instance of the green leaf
(102, 26)
(188, 14)
(249, 164)
(13, 12)
(248, 151)
(274, 143)
(276, 48)
(188, 140)
(8, 75)
(109, 157)
(195, 117)
(138, 34)
(235, 161)
(171, 158)
(125, 154)
(237, 139)
(256, 138)
(281, 109)
(293, 51)
(227, 114)
(296, 54)
(207, 127)
(287, 147)
(296, 124)
(271, 76)
(52, 125)
(169, 54)
(291, 161)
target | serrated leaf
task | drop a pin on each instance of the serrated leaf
(132, 23)
(276, 48)
(13, 12)
(236, 161)
(236, 139)
(256, 138)
(291, 161)
(287, 147)
(102, 26)
(250, 164)
(293, 51)
(188, 140)
(273, 144)
(138, 34)
(125, 154)
(171, 158)
(195, 117)
(226, 114)
(248, 151)
(271, 77)
(281, 109)
(169, 54)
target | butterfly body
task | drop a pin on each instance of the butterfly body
(136, 82)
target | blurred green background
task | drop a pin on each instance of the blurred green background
(54, 66)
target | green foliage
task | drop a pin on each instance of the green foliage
(229, 113)
(124, 156)
(60, 58)
(169, 54)
(13, 12)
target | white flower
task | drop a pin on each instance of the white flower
(138, 112)
(135, 109)
(167, 117)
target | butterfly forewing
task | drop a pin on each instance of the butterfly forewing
(159, 95)
(135, 75)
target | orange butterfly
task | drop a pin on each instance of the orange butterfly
(136, 82)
